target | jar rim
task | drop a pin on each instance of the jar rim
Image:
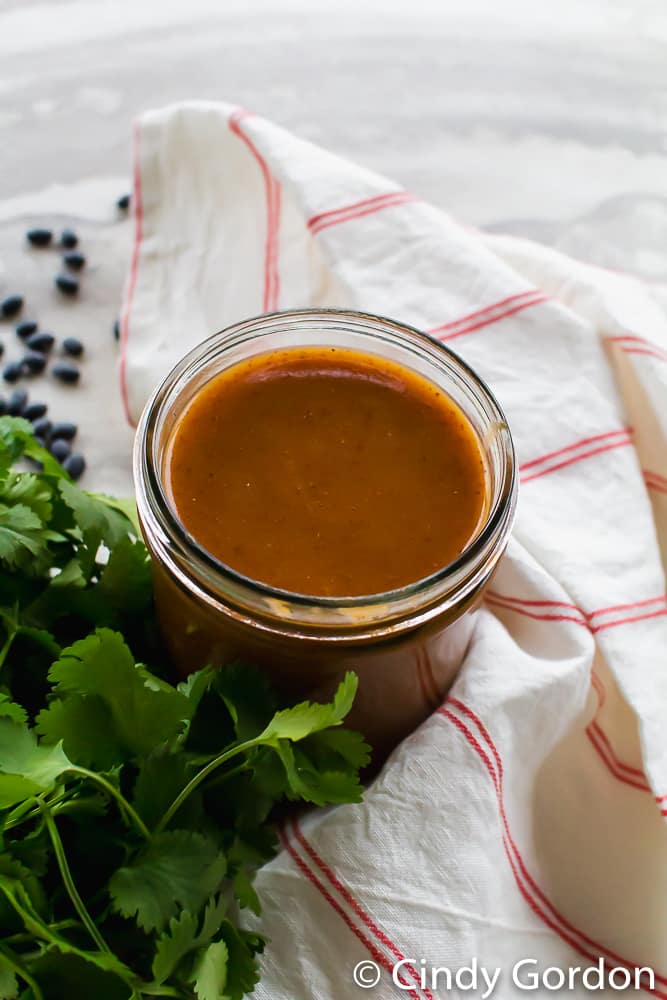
(156, 512)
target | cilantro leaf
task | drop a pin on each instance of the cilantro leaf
(17, 438)
(161, 776)
(246, 693)
(31, 491)
(127, 506)
(179, 868)
(210, 972)
(86, 729)
(310, 717)
(10, 710)
(9, 986)
(174, 944)
(23, 537)
(100, 669)
(319, 787)
(26, 767)
(184, 935)
(242, 969)
(96, 521)
(62, 976)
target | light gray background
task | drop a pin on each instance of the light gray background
(545, 120)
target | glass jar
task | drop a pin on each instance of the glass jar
(405, 645)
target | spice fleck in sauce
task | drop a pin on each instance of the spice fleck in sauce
(328, 472)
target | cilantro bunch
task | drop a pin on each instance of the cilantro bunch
(133, 812)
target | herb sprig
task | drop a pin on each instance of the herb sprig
(133, 812)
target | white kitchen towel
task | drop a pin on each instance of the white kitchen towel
(525, 820)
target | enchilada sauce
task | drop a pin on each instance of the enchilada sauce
(327, 472)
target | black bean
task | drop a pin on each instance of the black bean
(3, 406)
(73, 347)
(123, 202)
(16, 403)
(60, 449)
(26, 328)
(2, 349)
(66, 373)
(10, 306)
(74, 260)
(42, 427)
(33, 362)
(116, 330)
(34, 411)
(41, 341)
(67, 284)
(68, 239)
(75, 465)
(12, 372)
(64, 430)
(39, 237)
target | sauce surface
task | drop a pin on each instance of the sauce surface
(327, 472)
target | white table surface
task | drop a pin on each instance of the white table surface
(543, 120)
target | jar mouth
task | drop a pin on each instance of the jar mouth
(160, 520)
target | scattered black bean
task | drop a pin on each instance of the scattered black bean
(74, 260)
(34, 411)
(2, 349)
(3, 406)
(26, 328)
(33, 363)
(68, 239)
(40, 341)
(64, 430)
(73, 347)
(67, 284)
(116, 330)
(11, 306)
(66, 372)
(60, 449)
(39, 237)
(75, 465)
(16, 403)
(12, 372)
(123, 202)
(42, 427)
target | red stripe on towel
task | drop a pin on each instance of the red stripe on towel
(577, 444)
(358, 209)
(579, 457)
(272, 190)
(515, 604)
(372, 948)
(536, 898)
(499, 602)
(354, 904)
(654, 481)
(632, 344)
(463, 320)
(491, 317)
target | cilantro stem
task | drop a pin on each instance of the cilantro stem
(7, 644)
(154, 990)
(30, 809)
(125, 808)
(68, 881)
(25, 938)
(200, 776)
(17, 968)
(30, 921)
